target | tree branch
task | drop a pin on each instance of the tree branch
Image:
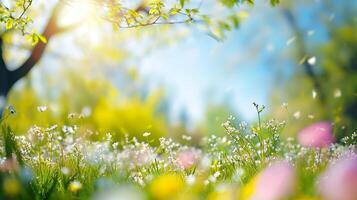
(50, 30)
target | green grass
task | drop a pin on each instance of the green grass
(48, 162)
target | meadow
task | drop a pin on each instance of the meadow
(153, 100)
(248, 162)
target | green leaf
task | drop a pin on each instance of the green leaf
(42, 38)
(9, 24)
(274, 2)
(251, 2)
(229, 3)
(182, 3)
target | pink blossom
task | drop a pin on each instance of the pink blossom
(187, 158)
(339, 180)
(275, 182)
(317, 135)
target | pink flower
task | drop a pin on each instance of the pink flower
(275, 182)
(187, 158)
(340, 180)
(317, 135)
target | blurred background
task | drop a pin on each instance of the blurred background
(299, 59)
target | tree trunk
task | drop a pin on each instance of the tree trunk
(4, 80)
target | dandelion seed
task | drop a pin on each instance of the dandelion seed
(337, 93)
(270, 47)
(297, 114)
(312, 60)
(310, 32)
(146, 134)
(42, 108)
(314, 94)
(290, 40)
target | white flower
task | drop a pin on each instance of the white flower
(65, 170)
(146, 134)
(216, 174)
(314, 94)
(297, 114)
(337, 93)
(42, 108)
(190, 179)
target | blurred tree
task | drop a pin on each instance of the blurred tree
(144, 13)
(324, 90)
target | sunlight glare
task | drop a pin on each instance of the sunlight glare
(79, 11)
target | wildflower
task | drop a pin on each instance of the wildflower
(340, 180)
(217, 174)
(146, 134)
(337, 93)
(186, 137)
(86, 111)
(273, 183)
(222, 192)
(190, 179)
(314, 94)
(75, 186)
(317, 135)
(9, 165)
(297, 114)
(42, 108)
(65, 170)
(166, 186)
(310, 116)
(187, 158)
(11, 187)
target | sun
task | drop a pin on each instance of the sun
(79, 11)
(86, 16)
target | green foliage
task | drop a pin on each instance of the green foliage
(15, 18)
(63, 163)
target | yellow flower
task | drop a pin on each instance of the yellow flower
(11, 187)
(223, 193)
(248, 190)
(75, 186)
(166, 186)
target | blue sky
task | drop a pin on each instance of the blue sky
(244, 68)
(200, 70)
